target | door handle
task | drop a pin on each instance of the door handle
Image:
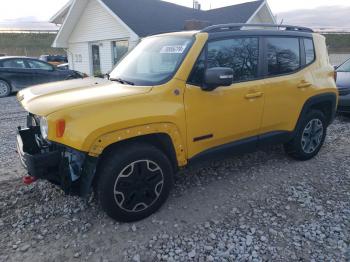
(254, 95)
(304, 84)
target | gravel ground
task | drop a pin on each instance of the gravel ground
(257, 207)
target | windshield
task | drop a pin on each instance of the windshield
(153, 61)
(344, 67)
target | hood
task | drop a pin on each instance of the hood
(343, 79)
(46, 99)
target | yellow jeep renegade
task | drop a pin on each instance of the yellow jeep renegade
(174, 99)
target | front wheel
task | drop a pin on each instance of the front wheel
(5, 89)
(309, 137)
(133, 182)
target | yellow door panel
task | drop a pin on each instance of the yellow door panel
(223, 115)
(284, 100)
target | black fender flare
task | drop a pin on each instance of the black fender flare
(317, 100)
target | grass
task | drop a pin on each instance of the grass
(338, 43)
(32, 45)
(39, 44)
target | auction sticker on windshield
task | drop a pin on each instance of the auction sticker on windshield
(173, 49)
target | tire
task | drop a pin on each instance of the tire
(5, 89)
(133, 182)
(309, 137)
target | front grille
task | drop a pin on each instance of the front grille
(32, 120)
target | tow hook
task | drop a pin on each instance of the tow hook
(28, 180)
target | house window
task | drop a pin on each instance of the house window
(120, 48)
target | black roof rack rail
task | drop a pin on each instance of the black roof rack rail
(238, 27)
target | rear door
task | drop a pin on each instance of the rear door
(16, 72)
(288, 81)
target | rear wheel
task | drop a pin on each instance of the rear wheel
(134, 182)
(5, 89)
(309, 137)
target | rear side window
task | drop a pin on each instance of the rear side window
(14, 63)
(309, 50)
(240, 54)
(283, 55)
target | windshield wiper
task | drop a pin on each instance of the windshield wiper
(122, 81)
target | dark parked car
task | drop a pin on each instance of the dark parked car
(19, 72)
(54, 59)
(343, 84)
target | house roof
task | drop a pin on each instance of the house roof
(59, 17)
(147, 17)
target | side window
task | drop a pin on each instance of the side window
(309, 50)
(14, 63)
(240, 54)
(39, 65)
(283, 55)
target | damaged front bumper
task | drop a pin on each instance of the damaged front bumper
(70, 169)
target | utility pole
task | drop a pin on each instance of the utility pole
(196, 5)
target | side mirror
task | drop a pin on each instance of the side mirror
(217, 76)
(335, 68)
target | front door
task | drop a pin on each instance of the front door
(42, 72)
(226, 114)
(96, 61)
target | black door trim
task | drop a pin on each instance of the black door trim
(243, 146)
(238, 147)
(200, 138)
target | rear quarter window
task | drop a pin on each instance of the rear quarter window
(309, 50)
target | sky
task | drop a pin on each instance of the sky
(42, 10)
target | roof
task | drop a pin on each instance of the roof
(17, 57)
(58, 18)
(148, 17)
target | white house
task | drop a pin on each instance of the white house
(97, 33)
